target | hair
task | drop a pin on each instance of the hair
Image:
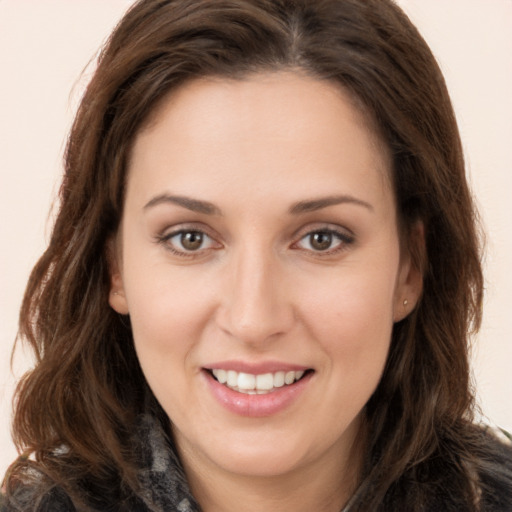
(87, 388)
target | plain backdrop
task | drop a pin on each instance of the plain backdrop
(45, 47)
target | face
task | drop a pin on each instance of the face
(259, 262)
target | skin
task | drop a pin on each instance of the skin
(257, 288)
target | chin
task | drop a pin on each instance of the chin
(260, 462)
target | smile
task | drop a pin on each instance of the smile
(256, 384)
(258, 391)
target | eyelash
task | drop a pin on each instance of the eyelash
(166, 240)
(343, 241)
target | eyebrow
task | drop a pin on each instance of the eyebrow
(207, 208)
(313, 205)
(194, 205)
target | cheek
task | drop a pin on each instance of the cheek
(167, 321)
(351, 316)
(167, 307)
(164, 312)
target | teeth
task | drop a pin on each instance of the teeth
(278, 379)
(289, 377)
(232, 379)
(264, 382)
(222, 376)
(256, 384)
(246, 381)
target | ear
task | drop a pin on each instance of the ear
(116, 296)
(410, 276)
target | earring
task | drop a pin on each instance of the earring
(406, 302)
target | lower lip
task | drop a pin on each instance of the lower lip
(257, 406)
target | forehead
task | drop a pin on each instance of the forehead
(257, 129)
(283, 88)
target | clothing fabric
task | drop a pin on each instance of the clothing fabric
(164, 486)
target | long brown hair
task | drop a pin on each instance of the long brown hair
(87, 387)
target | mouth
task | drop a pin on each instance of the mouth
(257, 384)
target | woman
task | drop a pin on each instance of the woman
(261, 280)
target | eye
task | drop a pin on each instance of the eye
(324, 241)
(188, 241)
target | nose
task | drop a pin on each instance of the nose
(256, 306)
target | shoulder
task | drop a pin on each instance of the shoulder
(44, 497)
(470, 471)
(36, 498)
(495, 471)
(159, 481)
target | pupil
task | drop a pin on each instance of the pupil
(192, 240)
(321, 241)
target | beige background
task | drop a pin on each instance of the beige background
(46, 44)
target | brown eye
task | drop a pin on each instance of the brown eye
(187, 241)
(325, 241)
(320, 240)
(191, 240)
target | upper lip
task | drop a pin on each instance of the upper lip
(256, 368)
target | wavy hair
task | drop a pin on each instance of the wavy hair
(87, 387)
